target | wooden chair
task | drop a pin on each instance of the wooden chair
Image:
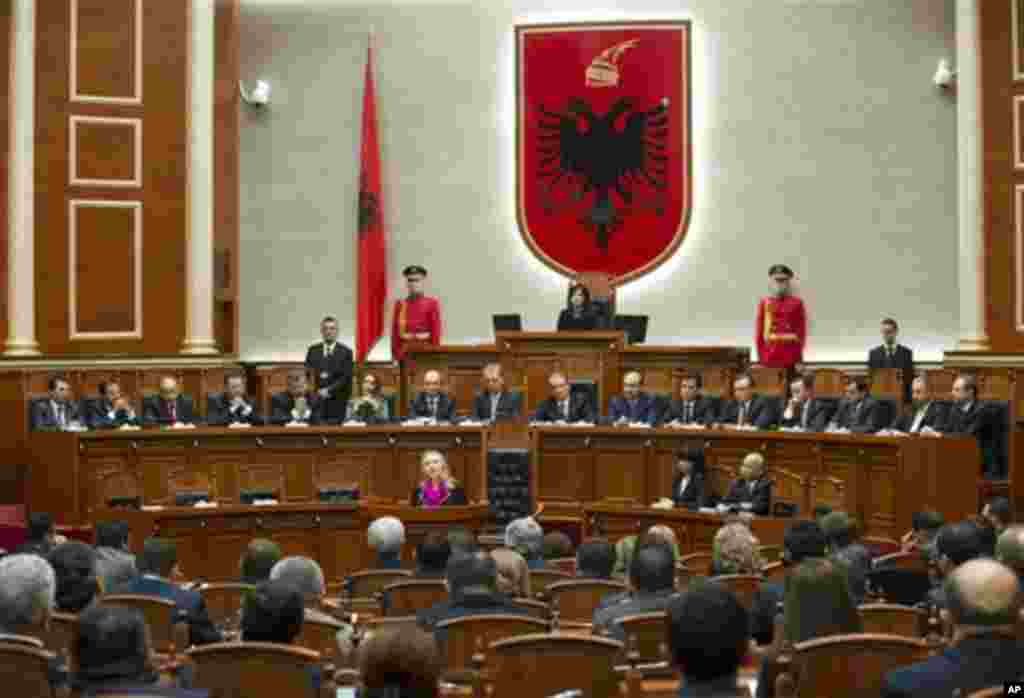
(879, 545)
(408, 596)
(848, 665)
(699, 564)
(563, 564)
(775, 571)
(367, 583)
(893, 619)
(578, 598)
(256, 669)
(161, 616)
(904, 561)
(535, 609)
(770, 553)
(541, 579)
(645, 635)
(224, 602)
(372, 625)
(542, 665)
(24, 667)
(744, 586)
(469, 634)
(61, 633)
(320, 636)
(22, 640)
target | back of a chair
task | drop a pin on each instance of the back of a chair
(646, 634)
(699, 564)
(61, 633)
(563, 564)
(534, 609)
(224, 603)
(893, 619)
(408, 596)
(464, 636)
(368, 582)
(253, 670)
(24, 669)
(879, 546)
(543, 665)
(374, 625)
(320, 636)
(774, 571)
(743, 586)
(578, 598)
(541, 579)
(903, 586)
(22, 640)
(902, 561)
(160, 615)
(849, 665)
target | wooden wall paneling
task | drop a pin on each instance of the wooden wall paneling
(226, 174)
(105, 267)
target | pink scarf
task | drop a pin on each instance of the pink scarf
(433, 495)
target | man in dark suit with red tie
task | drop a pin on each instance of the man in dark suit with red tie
(890, 354)
(331, 362)
(169, 407)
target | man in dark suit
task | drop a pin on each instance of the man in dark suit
(563, 406)
(748, 410)
(708, 637)
(634, 405)
(983, 606)
(924, 414)
(169, 407)
(969, 415)
(892, 355)
(297, 405)
(472, 590)
(652, 585)
(432, 402)
(805, 412)
(112, 410)
(752, 491)
(233, 406)
(494, 402)
(157, 564)
(691, 410)
(59, 411)
(859, 413)
(331, 361)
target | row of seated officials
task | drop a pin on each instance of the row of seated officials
(856, 412)
(711, 634)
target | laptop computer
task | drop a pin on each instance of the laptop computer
(509, 322)
(635, 327)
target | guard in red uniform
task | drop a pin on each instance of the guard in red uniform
(416, 318)
(781, 324)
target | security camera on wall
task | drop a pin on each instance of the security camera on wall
(945, 76)
(258, 96)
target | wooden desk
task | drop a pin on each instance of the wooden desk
(211, 541)
(881, 480)
(694, 530)
(73, 475)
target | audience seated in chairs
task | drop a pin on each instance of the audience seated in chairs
(399, 663)
(557, 545)
(1010, 551)
(258, 560)
(115, 564)
(113, 656)
(386, 535)
(734, 551)
(998, 511)
(158, 563)
(817, 603)
(956, 544)
(526, 537)
(595, 559)
(28, 587)
(74, 563)
(842, 533)
(513, 574)
(305, 576)
(983, 603)
(708, 638)
(472, 590)
(652, 584)
(274, 612)
(42, 535)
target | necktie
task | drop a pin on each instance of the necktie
(688, 413)
(328, 349)
(632, 409)
(565, 410)
(804, 411)
(433, 407)
(173, 410)
(495, 398)
(742, 421)
(916, 426)
(61, 420)
(682, 485)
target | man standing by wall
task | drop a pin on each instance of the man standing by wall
(331, 361)
(417, 318)
(781, 331)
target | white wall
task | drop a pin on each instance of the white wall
(819, 142)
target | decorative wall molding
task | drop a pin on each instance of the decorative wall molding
(136, 207)
(73, 151)
(136, 58)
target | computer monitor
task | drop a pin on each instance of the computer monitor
(635, 327)
(509, 322)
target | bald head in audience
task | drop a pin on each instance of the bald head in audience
(982, 593)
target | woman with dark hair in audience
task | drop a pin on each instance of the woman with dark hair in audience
(113, 656)
(438, 487)
(688, 482)
(74, 563)
(400, 663)
(817, 602)
(579, 314)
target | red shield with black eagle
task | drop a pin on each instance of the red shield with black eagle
(603, 144)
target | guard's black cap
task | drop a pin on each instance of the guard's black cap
(414, 269)
(780, 269)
